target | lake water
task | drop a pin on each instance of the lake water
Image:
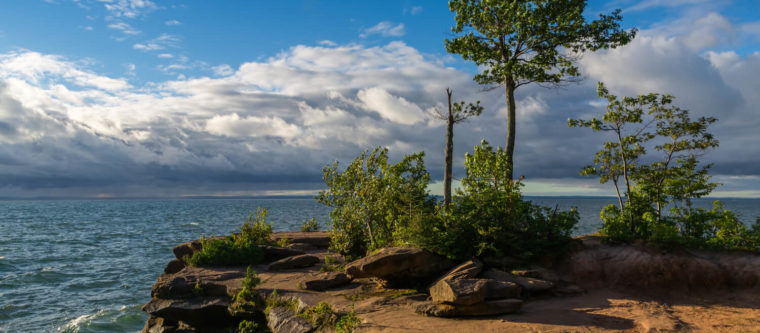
(88, 265)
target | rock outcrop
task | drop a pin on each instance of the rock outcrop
(324, 281)
(399, 266)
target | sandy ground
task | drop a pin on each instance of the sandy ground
(597, 310)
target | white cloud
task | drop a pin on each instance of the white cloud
(395, 109)
(162, 42)
(234, 126)
(385, 29)
(415, 10)
(124, 28)
(166, 56)
(173, 22)
(649, 4)
(223, 70)
(128, 8)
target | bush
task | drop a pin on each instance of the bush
(374, 201)
(236, 249)
(310, 225)
(489, 216)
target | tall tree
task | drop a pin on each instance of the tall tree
(517, 42)
(457, 113)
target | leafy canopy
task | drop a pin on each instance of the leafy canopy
(530, 40)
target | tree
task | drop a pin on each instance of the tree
(518, 42)
(675, 178)
(457, 113)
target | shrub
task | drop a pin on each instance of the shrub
(374, 201)
(248, 326)
(310, 225)
(237, 249)
(490, 217)
(348, 322)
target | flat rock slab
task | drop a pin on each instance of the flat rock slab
(274, 253)
(213, 281)
(299, 261)
(466, 270)
(502, 289)
(317, 239)
(399, 265)
(196, 311)
(460, 292)
(325, 281)
(488, 308)
(528, 285)
(283, 320)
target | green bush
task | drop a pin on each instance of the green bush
(348, 322)
(374, 201)
(490, 217)
(237, 249)
(310, 225)
(248, 326)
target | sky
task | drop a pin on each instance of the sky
(148, 98)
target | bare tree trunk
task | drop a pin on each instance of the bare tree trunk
(448, 154)
(509, 86)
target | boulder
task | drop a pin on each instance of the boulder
(501, 289)
(174, 266)
(283, 320)
(212, 281)
(527, 284)
(187, 248)
(568, 290)
(466, 270)
(195, 311)
(299, 261)
(274, 253)
(538, 273)
(462, 291)
(487, 308)
(500, 262)
(399, 266)
(324, 281)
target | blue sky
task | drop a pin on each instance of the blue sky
(170, 98)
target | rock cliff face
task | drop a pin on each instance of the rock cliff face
(198, 299)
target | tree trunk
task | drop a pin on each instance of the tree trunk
(509, 86)
(447, 175)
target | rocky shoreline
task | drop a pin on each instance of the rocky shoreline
(406, 289)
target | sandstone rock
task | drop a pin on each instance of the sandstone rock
(462, 291)
(466, 270)
(195, 311)
(274, 253)
(317, 239)
(187, 248)
(538, 273)
(528, 285)
(502, 289)
(283, 320)
(399, 265)
(500, 262)
(488, 308)
(213, 281)
(299, 261)
(174, 266)
(324, 281)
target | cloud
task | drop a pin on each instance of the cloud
(124, 28)
(162, 42)
(272, 124)
(385, 29)
(173, 22)
(649, 4)
(166, 56)
(396, 109)
(413, 10)
(128, 8)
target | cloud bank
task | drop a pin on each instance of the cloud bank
(271, 125)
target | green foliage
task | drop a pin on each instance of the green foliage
(373, 201)
(348, 322)
(237, 249)
(248, 326)
(332, 265)
(247, 294)
(518, 42)
(525, 39)
(489, 216)
(197, 289)
(321, 315)
(310, 225)
(673, 179)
